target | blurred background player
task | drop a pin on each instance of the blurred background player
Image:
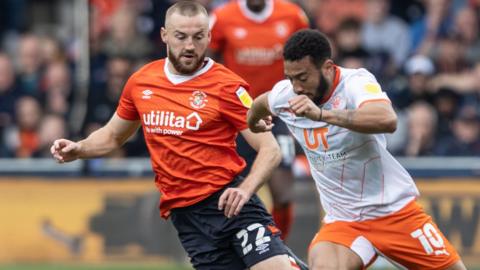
(248, 35)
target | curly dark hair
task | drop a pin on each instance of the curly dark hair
(307, 42)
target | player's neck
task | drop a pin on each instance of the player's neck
(256, 9)
(171, 68)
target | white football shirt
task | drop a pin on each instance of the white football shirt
(357, 178)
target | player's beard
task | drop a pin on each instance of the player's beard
(322, 89)
(197, 62)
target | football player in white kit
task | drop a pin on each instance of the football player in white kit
(338, 116)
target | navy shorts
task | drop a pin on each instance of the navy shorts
(215, 242)
(284, 139)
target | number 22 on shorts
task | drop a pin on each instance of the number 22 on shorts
(430, 239)
(260, 240)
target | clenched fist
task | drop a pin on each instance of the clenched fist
(64, 150)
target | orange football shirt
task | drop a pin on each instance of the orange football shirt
(190, 124)
(252, 44)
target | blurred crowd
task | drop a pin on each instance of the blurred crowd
(425, 53)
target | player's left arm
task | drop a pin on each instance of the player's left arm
(268, 158)
(372, 116)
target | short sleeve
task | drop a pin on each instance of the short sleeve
(234, 106)
(126, 107)
(364, 88)
(217, 33)
(279, 96)
(303, 21)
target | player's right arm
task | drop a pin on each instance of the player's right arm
(259, 115)
(101, 142)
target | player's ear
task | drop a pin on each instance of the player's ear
(328, 65)
(163, 34)
(209, 36)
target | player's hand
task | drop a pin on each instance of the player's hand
(303, 106)
(263, 125)
(232, 201)
(65, 150)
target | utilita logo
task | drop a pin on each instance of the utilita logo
(167, 123)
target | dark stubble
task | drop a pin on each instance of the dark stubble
(322, 89)
(183, 69)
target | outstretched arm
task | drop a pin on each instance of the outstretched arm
(101, 142)
(372, 117)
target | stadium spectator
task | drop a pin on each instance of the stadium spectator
(52, 50)
(106, 91)
(446, 31)
(57, 84)
(465, 139)
(248, 36)
(435, 23)
(22, 139)
(466, 31)
(330, 13)
(8, 91)
(349, 49)
(8, 95)
(408, 10)
(465, 82)
(383, 32)
(30, 66)
(348, 42)
(191, 110)
(449, 56)
(124, 38)
(446, 102)
(419, 70)
(339, 116)
(52, 126)
(422, 126)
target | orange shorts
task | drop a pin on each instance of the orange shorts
(408, 238)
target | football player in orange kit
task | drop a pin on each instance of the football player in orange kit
(249, 36)
(191, 109)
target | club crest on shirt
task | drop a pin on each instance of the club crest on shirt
(198, 99)
(337, 102)
(240, 32)
(281, 29)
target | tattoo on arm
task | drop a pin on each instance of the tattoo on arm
(349, 117)
(343, 117)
